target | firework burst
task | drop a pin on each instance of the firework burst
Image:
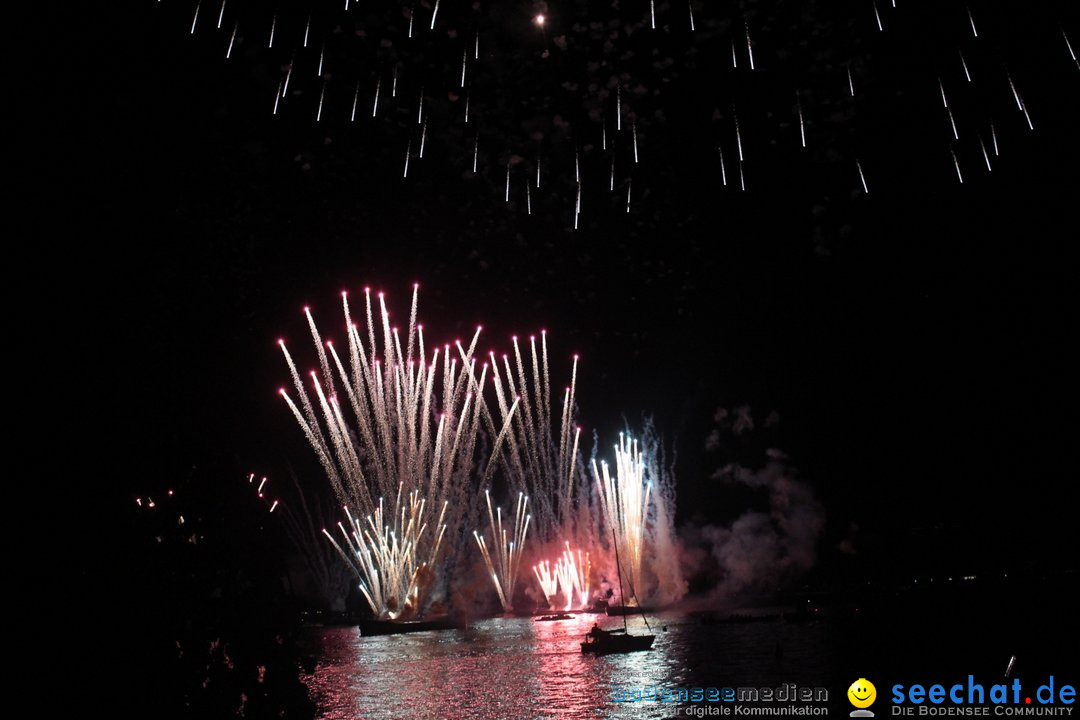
(414, 439)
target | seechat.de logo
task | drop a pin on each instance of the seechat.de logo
(862, 694)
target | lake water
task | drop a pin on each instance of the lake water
(517, 667)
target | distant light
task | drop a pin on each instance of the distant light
(540, 19)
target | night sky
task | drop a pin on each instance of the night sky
(916, 342)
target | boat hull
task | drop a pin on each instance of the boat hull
(618, 644)
(396, 627)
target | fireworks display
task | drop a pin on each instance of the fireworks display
(414, 439)
(539, 457)
(624, 498)
(568, 580)
(407, 471)
(508, 546)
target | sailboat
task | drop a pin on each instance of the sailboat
(605, 642)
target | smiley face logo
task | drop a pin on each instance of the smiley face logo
(862, 693)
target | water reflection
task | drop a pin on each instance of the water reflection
(517, 667)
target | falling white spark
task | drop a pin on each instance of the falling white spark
(629, 185)
(956, 135)
(986, 156)
(1028, 118)
(691, 4)
(476, 47)
(475, 152)
(322, 95)
(963, 62)
(742, 178)
(307, 30)
(221, 16)
(972, 19)
(577, 167)
(464, 55)
(577, 208)
(1070, 47)
(652, 13)
(877, 16)
(802, 125)
(393, 84)
(423, 137)
(537, 170)
(273, 25)
(277, 97)
(862, 177)
(941, 85)
(228, 53)
(468, 95)
(434, 13)
(635, 142)
(603, 135)
(528, 200)
(749, 45)
(412, 12)
(408, 151)
(618, 108)
(288, 75)
(956, 164)
(322, 55)
(420, 107)
(196, 18)
(355, 99)
(375, 105)
(1016, 95)
(611, 185)
(507, 198)
(850, 82)
(723, 170)
(738, 134)
(993, 138)
(734, 59)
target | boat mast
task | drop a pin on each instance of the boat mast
(618, 566)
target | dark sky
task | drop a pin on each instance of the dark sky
(916, 341)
